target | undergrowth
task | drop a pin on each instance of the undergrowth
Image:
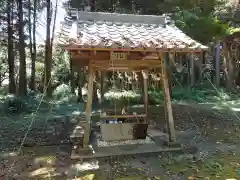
(11, 104)
(192, 95)
(62, 95)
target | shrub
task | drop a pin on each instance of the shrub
(63, 94)
(62, 91)
(13, 104)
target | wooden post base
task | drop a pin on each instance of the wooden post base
(80, 151)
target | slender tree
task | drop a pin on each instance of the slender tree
(49, 46)
(48, 58)
(22, 91)
(32, 40)
(12, 85)
(34, 55)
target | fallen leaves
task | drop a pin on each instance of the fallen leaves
(140, 169)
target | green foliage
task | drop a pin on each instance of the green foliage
(61, 69)
(200, 26)
(63, 94)
(61, 91)
(12, 104)
(192, 95)
(232, 30)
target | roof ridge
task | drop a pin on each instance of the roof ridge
(117, 17)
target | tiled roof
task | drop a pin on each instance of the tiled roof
(111, 30)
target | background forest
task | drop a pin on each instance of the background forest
(27, 64)
(40, 93)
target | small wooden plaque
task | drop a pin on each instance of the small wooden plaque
(118, 56)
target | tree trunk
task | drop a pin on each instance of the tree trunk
(229, 67)
(12, 85)
(30, 41)
(93, 5)
(33, 49)
(22, 91)
(48, 54)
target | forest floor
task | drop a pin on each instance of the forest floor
(46, 151)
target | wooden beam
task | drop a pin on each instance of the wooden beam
(122, 116)
(72, 79)
(168, 104)
(128, 65)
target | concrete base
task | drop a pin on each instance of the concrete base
(124, 150)
(123, 131)
(151, 145)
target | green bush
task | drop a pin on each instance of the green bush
(197, 95)
(62, 91)
(63, 94)
(13, 104)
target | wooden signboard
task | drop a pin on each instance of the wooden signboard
(118, 56)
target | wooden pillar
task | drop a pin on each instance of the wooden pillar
(102, 86)
(88, 110)
(169, 71)
(192, 70)
(217, 61)
(72, 79)
(167, 99)
(80, 84)
(145, 90)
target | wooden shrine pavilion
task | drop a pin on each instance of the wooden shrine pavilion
(124, 42)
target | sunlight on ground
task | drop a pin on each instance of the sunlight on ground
(87, 177)
(47, 160)
(86, 166)
(43, 172)
(229, 105)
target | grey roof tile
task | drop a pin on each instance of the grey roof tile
(106, 30)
